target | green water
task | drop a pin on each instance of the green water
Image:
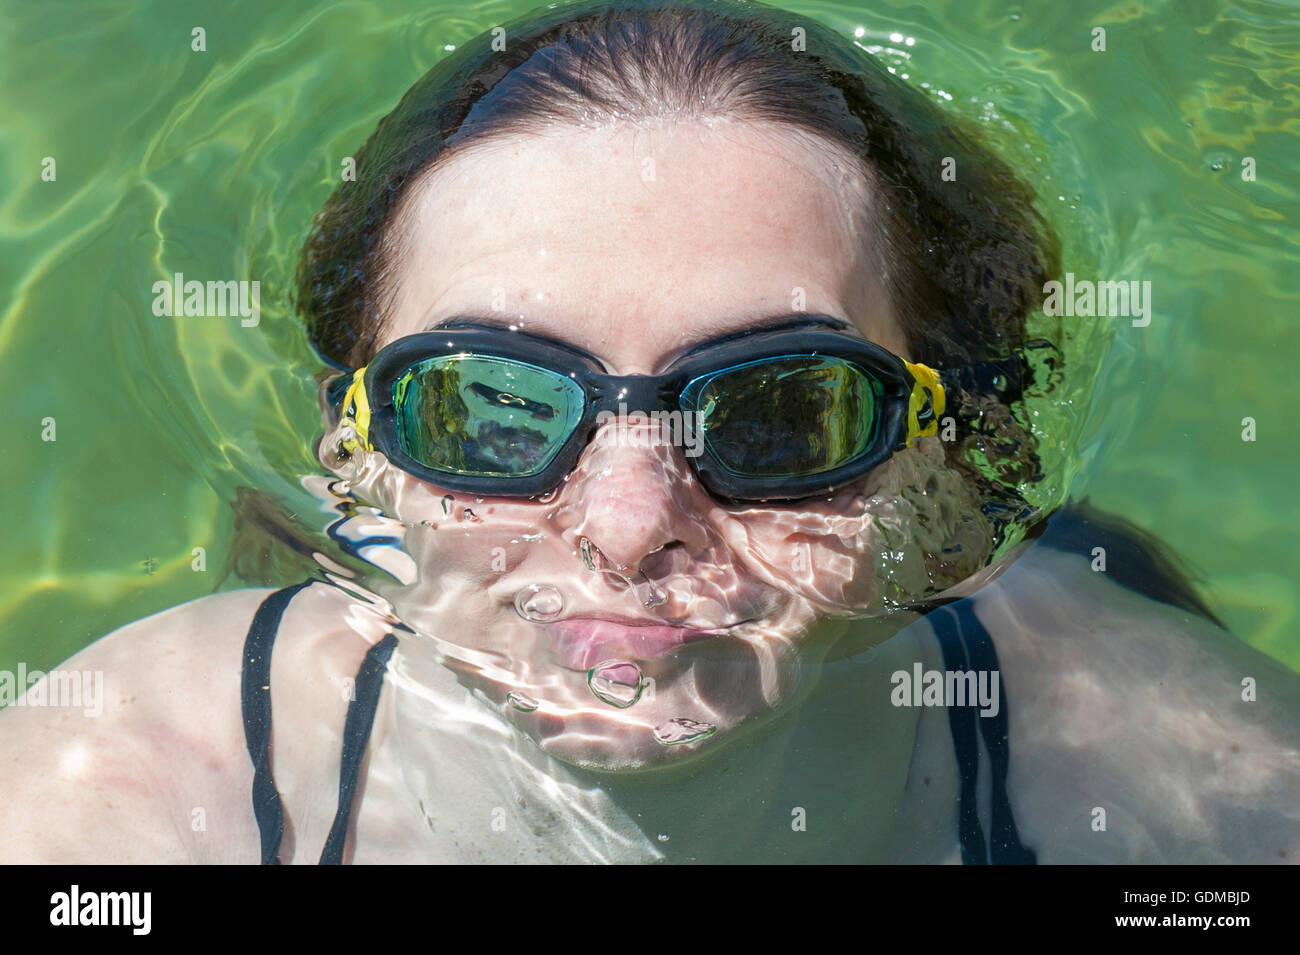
(212, 163)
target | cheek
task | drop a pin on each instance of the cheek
(909, 529)
(824, 552)
(457, 549)
(458, 540)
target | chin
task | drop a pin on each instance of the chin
(726, 699)
(634, 749)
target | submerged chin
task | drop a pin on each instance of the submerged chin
(618, 721)
(593, 744)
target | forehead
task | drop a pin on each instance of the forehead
(633, 242)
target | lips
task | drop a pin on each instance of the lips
(582, 642)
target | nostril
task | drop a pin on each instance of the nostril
(597, 560)
(660, 560)
(639, 581)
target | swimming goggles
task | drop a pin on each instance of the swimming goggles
(767, 414)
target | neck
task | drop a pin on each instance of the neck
(838, 757)
(837, 774)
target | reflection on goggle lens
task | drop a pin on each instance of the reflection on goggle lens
(786, 417)
(488, 416)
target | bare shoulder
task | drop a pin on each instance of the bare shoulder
(1140, 732)
(151, 764)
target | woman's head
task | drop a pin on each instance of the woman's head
(963, 259)
(634, 180)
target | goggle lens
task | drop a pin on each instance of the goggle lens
(786, 417)
(492, 417)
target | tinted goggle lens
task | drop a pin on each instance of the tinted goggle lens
(492, 417)
(786, 417)
(790, 416)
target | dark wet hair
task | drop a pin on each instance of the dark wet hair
(966, 259)
(1139, 561)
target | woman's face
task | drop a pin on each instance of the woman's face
(633, 245)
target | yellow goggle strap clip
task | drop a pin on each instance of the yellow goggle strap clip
(357, 407)
(926, 403)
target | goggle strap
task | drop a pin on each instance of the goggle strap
(1004, 378)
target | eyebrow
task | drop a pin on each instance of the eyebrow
(709, 333)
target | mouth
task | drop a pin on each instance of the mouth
(582, 642)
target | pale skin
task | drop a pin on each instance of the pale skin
(1115, 701)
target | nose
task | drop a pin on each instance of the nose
(632, 495)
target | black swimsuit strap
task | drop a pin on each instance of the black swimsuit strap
(356, 735)
(966, 645)
(255, 705)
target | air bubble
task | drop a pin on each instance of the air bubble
(539, 603)
(615, 682)
(681, 730)
(447, 501)
(468, 515)
(654, 597)
(548, 496)
(524, 704)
